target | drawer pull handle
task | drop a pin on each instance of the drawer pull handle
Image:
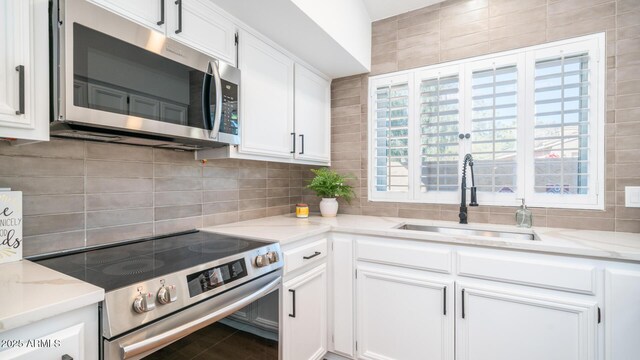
(312, 256)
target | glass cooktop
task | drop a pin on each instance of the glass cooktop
(121, 265)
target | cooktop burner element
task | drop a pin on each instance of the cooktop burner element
(132, 267)
(221, 246)
(124, 264)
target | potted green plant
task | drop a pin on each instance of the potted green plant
(329, 185)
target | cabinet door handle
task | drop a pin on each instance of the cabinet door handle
(66, 357)
(161, 13)
(293, 141)
(293, 293)
(301, 144)
(179, 29)
(463, 313)
(444, 301)
(20, 70)
(312, 256)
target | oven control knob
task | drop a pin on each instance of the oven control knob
(167, 294)
(273, 257)
(143, 303)
(261, 261)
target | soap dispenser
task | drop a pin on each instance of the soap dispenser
(524, 217)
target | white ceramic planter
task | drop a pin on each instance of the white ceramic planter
(329, 207)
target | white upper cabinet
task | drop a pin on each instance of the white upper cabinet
(195, 23)
(150, 13)
(24, 70)
(266, 99)
(312, 116)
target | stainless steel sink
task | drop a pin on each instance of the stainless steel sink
(470, 232)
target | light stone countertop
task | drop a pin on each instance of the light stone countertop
(32, 292)
(287, 228)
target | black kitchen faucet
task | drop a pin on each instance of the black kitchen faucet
(468, 159)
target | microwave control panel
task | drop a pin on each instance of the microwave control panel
(229, 123)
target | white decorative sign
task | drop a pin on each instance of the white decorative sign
(10, 226)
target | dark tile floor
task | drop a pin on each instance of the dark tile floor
(219, 342)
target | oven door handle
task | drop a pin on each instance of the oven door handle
(160, 340)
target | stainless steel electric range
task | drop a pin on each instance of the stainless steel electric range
(184, 296)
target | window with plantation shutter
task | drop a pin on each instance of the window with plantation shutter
(494, 126)
(391, 138)
(532, 118)
(439, 129)
(561, 135)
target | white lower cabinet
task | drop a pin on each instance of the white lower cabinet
(305, 315)
(403, 315)
(72, 335)
(404, 299)
(622, 312)
(500, 323)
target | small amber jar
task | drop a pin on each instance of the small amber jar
(302, 210)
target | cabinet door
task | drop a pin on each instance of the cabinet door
(64, 342)
(503, 324)
(149, 13)
(305, 316)
(312, 116)
(24, 70)
(622, 314)
(341, 312)
(266, 99)
(403, 316)
(200, 25)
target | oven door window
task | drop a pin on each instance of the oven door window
(114, 76)
(251, 333)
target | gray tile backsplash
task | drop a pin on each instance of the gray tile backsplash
(80, 194)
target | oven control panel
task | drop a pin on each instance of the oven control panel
(266, 259)
(215, 277)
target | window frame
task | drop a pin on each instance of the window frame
(525, 58)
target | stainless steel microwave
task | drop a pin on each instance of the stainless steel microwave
(117, 81)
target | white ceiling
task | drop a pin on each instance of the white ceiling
(382, 9)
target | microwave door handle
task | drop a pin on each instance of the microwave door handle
(206, 102)
(160, 340)
(217, 119)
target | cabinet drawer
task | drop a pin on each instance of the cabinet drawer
(304, 255)
(530, 270)
(407, 253)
